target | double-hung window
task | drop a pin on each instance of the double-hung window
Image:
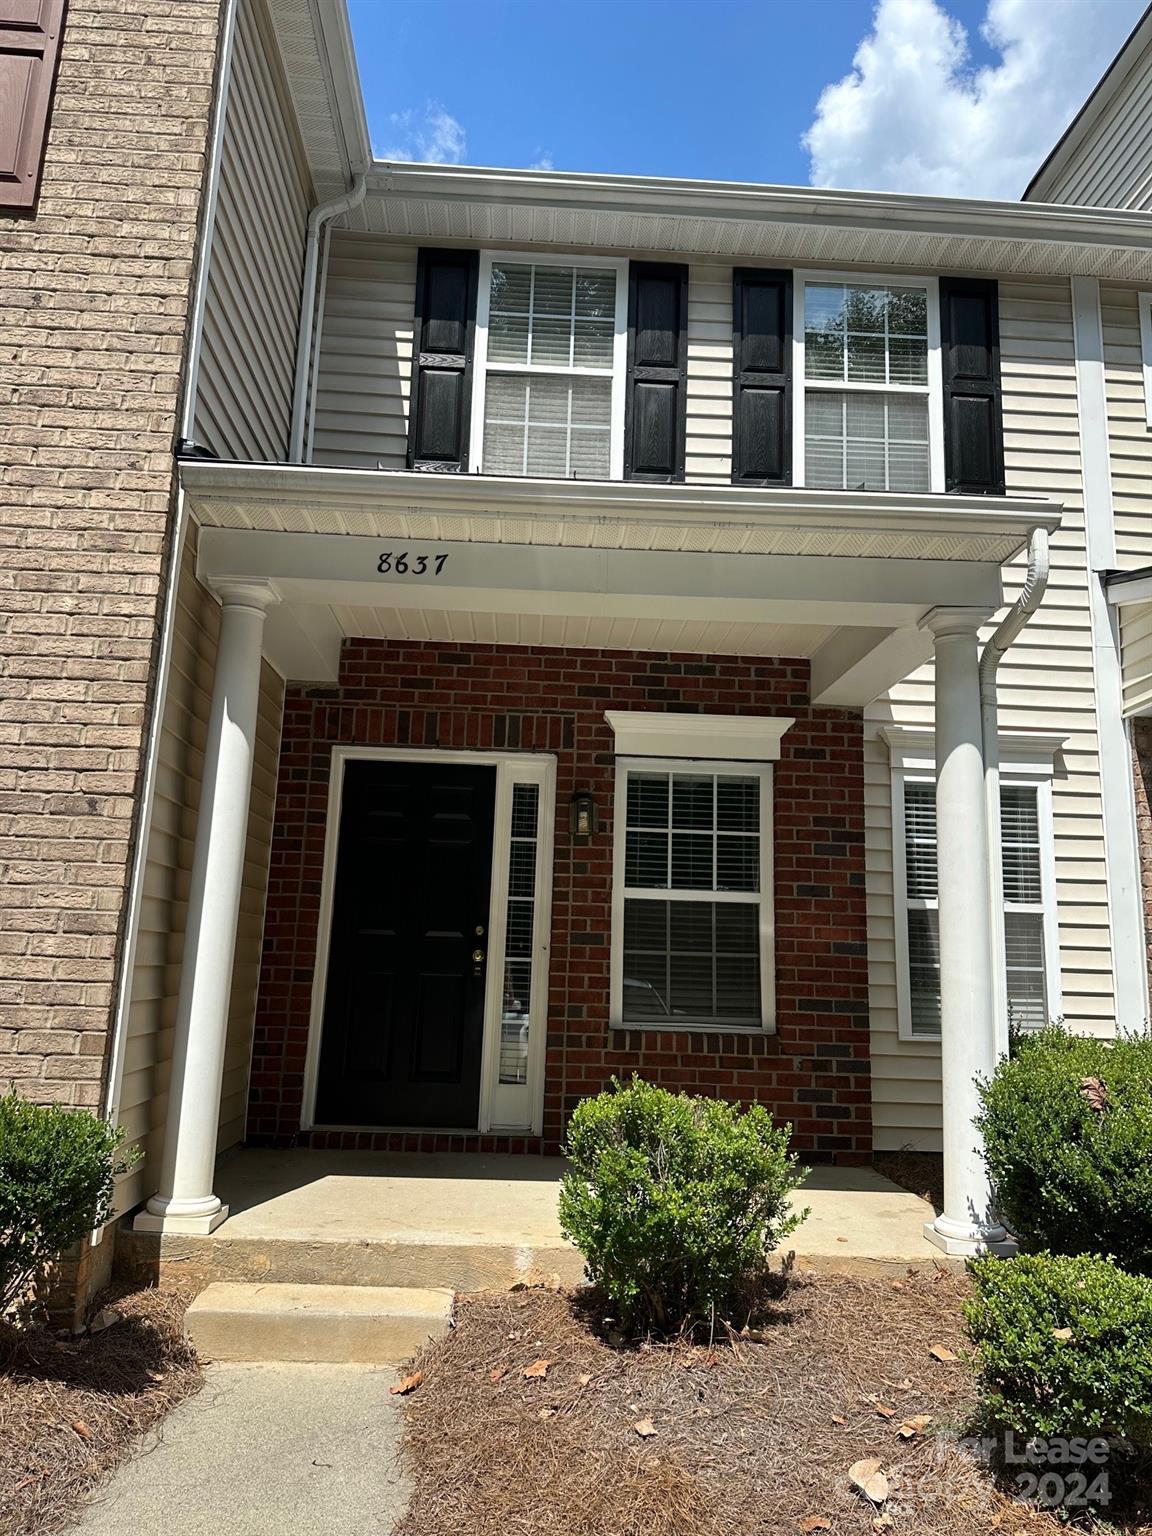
(1029, 939)
(868, 406)
(692, 890)
(551, 348)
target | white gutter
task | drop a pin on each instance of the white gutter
(319, 216)
(115, 1080)
(1026, 604)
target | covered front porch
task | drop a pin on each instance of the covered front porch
(541, 641)
(470, 1221)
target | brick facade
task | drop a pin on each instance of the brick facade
(814, 1071)
(94, 295)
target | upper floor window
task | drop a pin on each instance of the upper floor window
(868, 414)
(548, 396)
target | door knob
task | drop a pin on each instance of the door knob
(477, 961)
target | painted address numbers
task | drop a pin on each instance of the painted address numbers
(405, 563)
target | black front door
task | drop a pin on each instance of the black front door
(404, 1005)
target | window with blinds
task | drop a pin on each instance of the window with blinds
(692, 929)
(866, 386)
(550, 370)
(1024, 910)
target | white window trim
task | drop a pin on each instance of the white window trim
(1025, 760)
(935, 386)
(766, 894)
(618, 372)
(1145, 301)
(516, 1108)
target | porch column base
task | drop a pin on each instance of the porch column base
(196, 1219)
(969, 1240)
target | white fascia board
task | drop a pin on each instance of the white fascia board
(660, 733)
(361, 490)
(1125, 594)
(476, 576)
(903, 213)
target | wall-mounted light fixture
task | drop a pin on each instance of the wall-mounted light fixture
(584, 819)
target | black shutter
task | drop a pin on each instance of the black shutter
(970, 349)
(761, 376)
(442, 360)
(657, 371)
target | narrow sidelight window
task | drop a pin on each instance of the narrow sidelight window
(692, 896)
(516, 1000)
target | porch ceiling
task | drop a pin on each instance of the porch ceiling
(839, 578)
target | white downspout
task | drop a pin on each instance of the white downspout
(1026, 604)
(316, 221)
(215, 150)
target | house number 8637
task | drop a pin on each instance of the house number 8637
(407, 564)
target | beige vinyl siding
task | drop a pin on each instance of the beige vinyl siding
(1046, 685)
(247, 366)
(365, 369)
(365, 373)
(156, 974)
(1129, 435)
(1113, 167)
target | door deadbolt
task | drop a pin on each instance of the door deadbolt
(479, 930)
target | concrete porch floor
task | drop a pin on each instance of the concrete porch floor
(470, 1220)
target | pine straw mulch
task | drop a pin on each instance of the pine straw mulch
(748, 1435)
(72, 1409)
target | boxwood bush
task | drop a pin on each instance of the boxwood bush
(1063, 1346)
(1067, 1129)
(57, 1168)
(675, 1201)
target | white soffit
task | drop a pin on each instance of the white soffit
(744, 738)
(745, 221)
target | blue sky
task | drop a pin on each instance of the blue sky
(728, 88)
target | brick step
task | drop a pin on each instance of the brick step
(336, 1324)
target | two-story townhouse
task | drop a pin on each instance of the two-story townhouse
(607, 624)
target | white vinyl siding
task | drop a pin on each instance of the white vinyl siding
(156, 974)
(1046, 685)
(252, 308)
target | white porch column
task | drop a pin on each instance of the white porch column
(185, 1201)
(967, 989)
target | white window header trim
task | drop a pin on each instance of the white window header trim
(1028, 752)
(731, 738)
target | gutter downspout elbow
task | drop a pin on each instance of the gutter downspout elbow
(1010, 626)
(317, 219)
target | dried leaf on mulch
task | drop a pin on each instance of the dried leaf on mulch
(408, 1384)
(72, 1409)
(755, 1437)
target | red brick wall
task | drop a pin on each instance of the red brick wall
(813, 1071)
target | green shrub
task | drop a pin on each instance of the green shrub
(675, 1202)
(1067, 1128)
(1038, 1381)
(56, 1172)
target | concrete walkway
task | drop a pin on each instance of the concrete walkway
(266, 1450)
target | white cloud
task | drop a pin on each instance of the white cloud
(431, 135)
(913, 115)
(543, 160)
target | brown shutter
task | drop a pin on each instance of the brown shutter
(29, 45)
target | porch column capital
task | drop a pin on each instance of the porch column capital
(243, 592)
(949, 623)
